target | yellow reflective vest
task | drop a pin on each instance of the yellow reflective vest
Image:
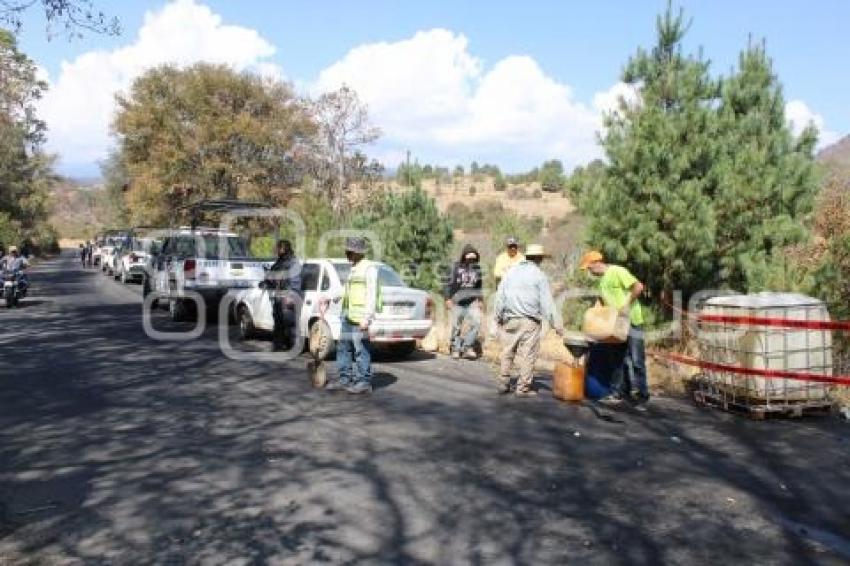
(356, 299)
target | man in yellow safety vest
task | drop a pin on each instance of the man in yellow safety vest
(360, 301)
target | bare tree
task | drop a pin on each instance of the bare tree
(343, 122)
(71, 16)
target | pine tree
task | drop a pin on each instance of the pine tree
(766, 179)
(415, 237)
(653, 210)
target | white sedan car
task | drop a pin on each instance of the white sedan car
(405, 315)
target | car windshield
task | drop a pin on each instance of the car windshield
(143, 244)
(215, 247)
(387, 277)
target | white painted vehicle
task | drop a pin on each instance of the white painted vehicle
(134, 259)
(96, 252)
(405, 315)
(111, 242)
(203, 262)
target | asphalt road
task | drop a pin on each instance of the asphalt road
(118, 449)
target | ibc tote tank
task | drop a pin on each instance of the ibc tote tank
(767, 347)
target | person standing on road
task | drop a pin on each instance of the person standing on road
(523, 301)
(507, 259)
(463, 300)
(284, 283)
(619, 289)
(360, 301)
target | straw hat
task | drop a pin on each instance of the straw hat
(535, 250)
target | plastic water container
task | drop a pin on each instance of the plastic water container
(605, 324)
(767, 347)
(568, 382)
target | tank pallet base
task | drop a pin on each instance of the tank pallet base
(762, 409)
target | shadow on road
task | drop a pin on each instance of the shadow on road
(117, 448)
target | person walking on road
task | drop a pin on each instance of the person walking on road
(360, 301)
(619, 289)
(463, 300)
(523, 302)
(283, 280)
(507, 259)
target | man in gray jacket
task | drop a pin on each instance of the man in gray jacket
(523, 301)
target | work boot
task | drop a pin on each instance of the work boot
(455, 355)
(336, 385)
(470, 354)
(359, 388)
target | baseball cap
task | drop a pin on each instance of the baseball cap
(590, 257)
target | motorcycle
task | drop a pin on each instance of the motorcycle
(14, 287)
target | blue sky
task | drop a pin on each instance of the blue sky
(492, 65)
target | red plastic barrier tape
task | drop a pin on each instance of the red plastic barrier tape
(765, 321)
(772, 373)
(775, 322)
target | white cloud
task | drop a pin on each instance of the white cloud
(79, 105)
(431, 94)
(799, 116)
(609, 100)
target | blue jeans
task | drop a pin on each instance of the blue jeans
(471, 313)
(353, 346)
(605, 368)
(635, 364)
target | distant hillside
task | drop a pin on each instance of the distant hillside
(836, 157)
(525, 199)
(74, 209)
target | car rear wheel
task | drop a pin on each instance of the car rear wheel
(246, 324)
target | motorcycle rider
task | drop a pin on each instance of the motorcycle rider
(16, 262)
(283, 279)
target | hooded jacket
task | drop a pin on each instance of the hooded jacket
(465, 281)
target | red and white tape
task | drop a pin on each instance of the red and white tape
(770, 373)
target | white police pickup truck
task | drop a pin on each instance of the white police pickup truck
(200, 263)
(405, 316)
(134, 258)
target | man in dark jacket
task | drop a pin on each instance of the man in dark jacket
(283, 280)
(463, 300)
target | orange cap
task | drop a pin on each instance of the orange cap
(590, 257)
